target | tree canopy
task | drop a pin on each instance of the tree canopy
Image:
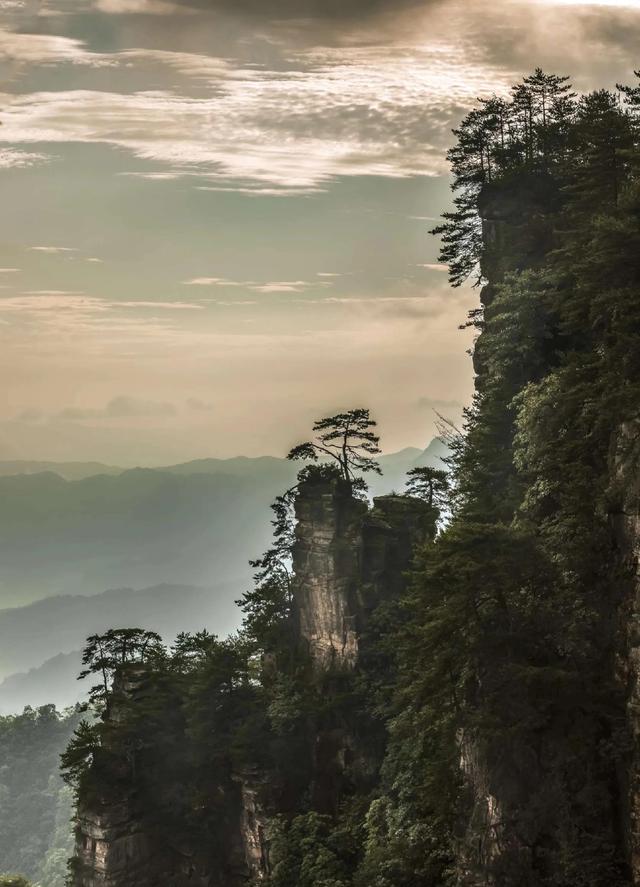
(346, 439)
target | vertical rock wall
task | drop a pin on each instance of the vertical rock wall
(327, 563)
(253, 827)
(111, 849)
(347, 558)
(626, 522)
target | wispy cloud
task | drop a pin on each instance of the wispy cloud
(433, 266)
(59, 302)
(137, 7)
(357, 110)
(282, 286)
(46, 49)
(53, 249)
(211, 281)
(13, 158)
(161, 306)
(270, 286)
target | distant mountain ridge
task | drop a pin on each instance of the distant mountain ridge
(189, 523)
(54, 682)
(236, 466)
(67, 470)
(30, 635)
(184, 534)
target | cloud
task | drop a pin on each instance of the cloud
(283, 286)
(45, 49)
(137, 7)
(53, 249)
(94, 259)
(324, 112)
(9, 270)
(64, 311)
(256, 191)
(434, 266)
(121, 407)
(162, 306)
(355, 96)
(272, 286)
(304, 9)
(209, 281)
(12, 158)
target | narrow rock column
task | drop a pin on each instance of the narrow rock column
(327, 566)
(626, 526)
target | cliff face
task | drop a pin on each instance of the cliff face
(327, 563)
(626, 524)
(347, 558)
(111, 848)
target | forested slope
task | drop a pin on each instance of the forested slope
(476, 724)
(35, 805)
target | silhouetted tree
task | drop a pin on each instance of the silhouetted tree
(430, 484)
(348, 439)
(267, 606)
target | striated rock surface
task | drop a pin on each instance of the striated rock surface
(347, 558)
(254, 827)
(327, 562)
(111, 849)
(481, 843)
(626, 523)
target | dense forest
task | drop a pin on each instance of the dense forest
(477, 723)
(35, 805)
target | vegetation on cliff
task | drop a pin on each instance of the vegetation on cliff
(482, 735)
(35, 805)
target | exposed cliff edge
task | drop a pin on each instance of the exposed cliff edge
(348, 557)
(625, 517)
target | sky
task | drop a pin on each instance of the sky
(216, 213)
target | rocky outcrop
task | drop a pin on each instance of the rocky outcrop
(347, 558)
(327, 562)
(110, 848)
(481, 843)
(254, 826)
(626, 524)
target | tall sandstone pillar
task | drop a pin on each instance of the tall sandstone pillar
(347, 558)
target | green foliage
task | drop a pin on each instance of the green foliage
(104, 654)
(267, 607)
(35, 807)
(14, 881)
(308, 853)
(526, 577)
(79, 753)
(430, 484)
(348, 440)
